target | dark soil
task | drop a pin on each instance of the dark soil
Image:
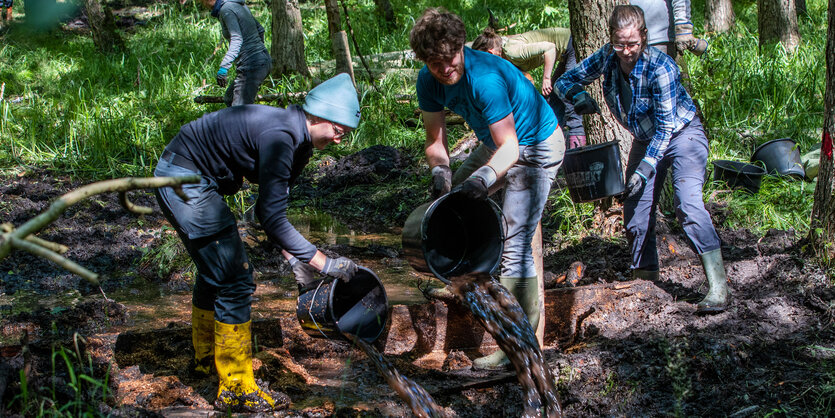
(632, 348)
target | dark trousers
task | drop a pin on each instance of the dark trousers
(204, 223)
(687, 157)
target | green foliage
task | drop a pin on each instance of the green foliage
(69, 107)
(76, 388)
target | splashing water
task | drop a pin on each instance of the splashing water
(502, 316)
(418, 399)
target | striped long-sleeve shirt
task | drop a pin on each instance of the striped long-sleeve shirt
(659, 106)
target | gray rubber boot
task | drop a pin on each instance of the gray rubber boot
(651, 275)
(526, 292)
(718, 297)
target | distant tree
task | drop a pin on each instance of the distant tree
(287, 47)
(589, 31)
(386, 12)
(719, 15)
(777, 21)
(822, 229)
(339, 39)
(103, 27)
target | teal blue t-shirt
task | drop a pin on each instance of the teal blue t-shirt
(490, 89)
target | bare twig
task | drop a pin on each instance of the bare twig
(127, 204)
(357, 48)
(52, 246)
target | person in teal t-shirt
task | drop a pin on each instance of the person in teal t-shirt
(521, 147)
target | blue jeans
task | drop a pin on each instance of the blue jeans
(224, 282)
(687, 156)
(526, 188)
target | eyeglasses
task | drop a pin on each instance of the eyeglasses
(338, 133)
(621, 47)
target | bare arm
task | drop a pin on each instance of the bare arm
(504, 136)
(549, 57)
(436, 140)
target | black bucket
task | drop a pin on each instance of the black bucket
(454, 235)
(738, 174)
(780, 156)
(593, 172)
(335, 308)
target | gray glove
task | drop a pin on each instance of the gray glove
(342, 268)
(441, 180)
(638, 179)
(305, 274)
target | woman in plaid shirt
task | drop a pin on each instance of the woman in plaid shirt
(642, 88)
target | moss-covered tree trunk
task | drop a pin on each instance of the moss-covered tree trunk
(103, 27)
(589, 30)
(823, 210)
(777, 22)
(719, 15)
(287, 47)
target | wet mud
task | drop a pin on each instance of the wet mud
(615, 346)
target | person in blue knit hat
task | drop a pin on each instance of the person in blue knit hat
(267, 146)
(246, 50)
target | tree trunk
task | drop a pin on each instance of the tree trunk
(777, 21)
(339, 39)
(822, 230)
(589, 31)
(103, 27)
(386, 12)
(719, 15)
(800, 5)
(287, 47)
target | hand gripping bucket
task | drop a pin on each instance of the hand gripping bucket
(593, 172)
(454, 235)
(780, 156)
(335, 308)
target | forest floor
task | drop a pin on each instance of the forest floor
(619, 347)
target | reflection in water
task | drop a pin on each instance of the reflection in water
(418, 399)
(500, 314)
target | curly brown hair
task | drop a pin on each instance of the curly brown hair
(488, 40)
(438, 34)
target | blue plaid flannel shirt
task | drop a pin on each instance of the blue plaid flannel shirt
(660, 105)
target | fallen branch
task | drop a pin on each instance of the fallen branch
(283, 99)
(22, 238)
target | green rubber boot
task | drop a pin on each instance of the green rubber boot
(718, 297)
(651, 275)
(526, 291)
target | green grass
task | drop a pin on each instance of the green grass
(96, 116)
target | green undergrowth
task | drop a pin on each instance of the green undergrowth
(68, 107)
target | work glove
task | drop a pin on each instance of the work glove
(221, 76)
(478, 185)
(686, 41)
(342, 268)
(583, 103)
(441, 180)
(639, 179)
(305, 274)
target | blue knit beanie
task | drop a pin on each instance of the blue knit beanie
(335, 100)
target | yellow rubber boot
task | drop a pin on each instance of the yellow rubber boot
(237, 389)
(203, 339)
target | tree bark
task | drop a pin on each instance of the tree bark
(287, 47)
(719, 15)
(339, 39)
(822, 230)
(103, 27)
(777, 21)
(386, 12)
(589, 31)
